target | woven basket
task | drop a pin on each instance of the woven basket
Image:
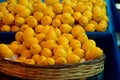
(56, 72)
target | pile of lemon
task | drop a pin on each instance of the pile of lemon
(52, 32)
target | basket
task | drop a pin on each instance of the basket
(56, 72)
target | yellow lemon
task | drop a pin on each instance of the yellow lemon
(30, 61)
(50, 44)
(49, 61)
(80, 52)
(65, 28)
(31, 21)
(35, 48)
(19, 36)
(60, 52)
(29, 32)
(65, 18)
(35, 57)
(46, 52)
(5, 28)
(80, 7)
(56, 22)
(49, 12)
(40, 37)
(76, 16)
(68, 36)
(94, 53)
(46, 20)
(26, 53)
(57, 8)
(82, 37)
(89, 28)
(60, 60)
(77, 30)
(101, 27)
(51, 35)
(41, 61)
(88, 14)
(72, 59)
(68, 9)
(93, 22)
(20, 48)
(88, 45)
(75, 44)
(15, 28)
(51, 2)
(29, 41)
(38, 29)
(57, 31)
(83, 21)
(13, 47)
(19, 21)
(5, 51)
(23, 27)
(38, 15)
(39, 6)
(22, 58)
(62, 39)
(8, 19)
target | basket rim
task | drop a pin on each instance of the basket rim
(54, 66)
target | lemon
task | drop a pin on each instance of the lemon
(19, 36)
(49, 12)
(22, 58)
(31, 21)
(60, 60)
(29, 32)
(90, 28)
(72, 59)
(57, 31)
(79, 7)
(93, 22)
(15, 28)
(35, 48)
(23, 27)
(51, 2)
(45, 29)
(101, 27)
(38, 29)
(20, 48)
(46, 20)
(13, 47)
(29, 41)
(62, 39)
(65, 28)
(60, 52)
(65, 18)
(51, 35)
(82, 37)
(46, 52)
(19, 21)
(83, 21)
(39, 6)
(68, 9)
(8, 19)
(40, 37)
(57, 8)
(5, 28)
(5, 51)
(76, 16)
(68, 36)
(35, 57)
(88, 45)
(80, 52)
(41, 61)
(38, 15)
(94, 53)
(30, 61)
(75, 44)
(49, 61)
(56, 22)
(88, 14)
(26, 53)
(50, 44)
(77, 30)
